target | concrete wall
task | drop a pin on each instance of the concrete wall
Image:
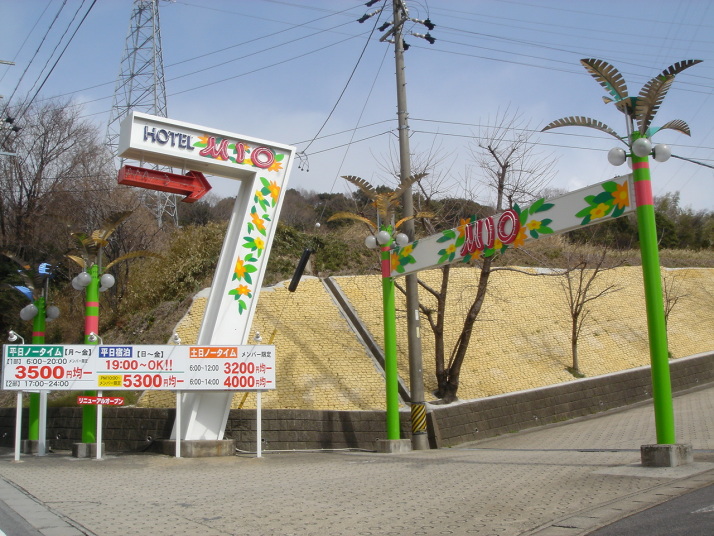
(134, 429)
(488, 417)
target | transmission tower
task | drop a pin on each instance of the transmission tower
(141, 87)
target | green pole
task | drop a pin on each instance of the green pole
(91, 324)
(38, 337)
(654, 303)
(390, 345)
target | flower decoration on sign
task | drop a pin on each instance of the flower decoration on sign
(612, 201)
(535, 227)
(261, 216)
(268, 195)
(238, 293)
(456, 237)
(401, 257)
(257, 221)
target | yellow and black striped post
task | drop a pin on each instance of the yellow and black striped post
(418, 418)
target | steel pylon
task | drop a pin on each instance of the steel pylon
(141, 87)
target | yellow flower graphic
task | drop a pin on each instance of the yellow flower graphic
(497, 244)
(259, 244)
(257, 221)
(274, 190)
(242, 290)
(521, 238)
(239, 269)
(393, 261)
(275, 166)
(259, 195)
(622, 196)
(462, 226)
(533, 225)
(406, 251)
(450, 249)
(599, 211)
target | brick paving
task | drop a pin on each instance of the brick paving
(560, 480)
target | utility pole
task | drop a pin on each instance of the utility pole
(420, 439)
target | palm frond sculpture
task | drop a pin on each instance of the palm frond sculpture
(641, 109)
(385, 203)
(90, 246)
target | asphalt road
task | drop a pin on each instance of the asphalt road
(691, 514)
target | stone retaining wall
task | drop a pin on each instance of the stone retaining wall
(135, 429)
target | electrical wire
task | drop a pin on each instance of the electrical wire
(29, 103)
(27, 37)
(32, 59)
(344, 89)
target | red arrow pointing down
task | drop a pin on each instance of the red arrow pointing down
(193, 185)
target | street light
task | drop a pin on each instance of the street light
(93, 338)
(642, 109)
(384, 239)
(36, 290)
(13, 336)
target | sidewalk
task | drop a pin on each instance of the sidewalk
(559, 480)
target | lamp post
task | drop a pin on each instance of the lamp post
(385, 238)
(92, 284)
(39, 313)
(639, 147)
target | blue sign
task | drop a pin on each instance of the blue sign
(115, 351)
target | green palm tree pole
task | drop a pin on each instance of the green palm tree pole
(36, 289)
(93, 280)
(38, 337)
(643, 109)
(91, 325)
(389, 316)
(654, 303)
(386, 204)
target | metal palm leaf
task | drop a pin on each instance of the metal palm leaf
(132, 255)
(32, 280)
(384, 202)
(678, 67)
(675, 124)
(608, 77)
(580, 121)
(407, 183)
(362, 184)
(110, 225)
(650, 99)
(351, 216)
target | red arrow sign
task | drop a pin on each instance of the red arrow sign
(193, 185)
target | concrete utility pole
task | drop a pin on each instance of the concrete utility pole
(416, 378)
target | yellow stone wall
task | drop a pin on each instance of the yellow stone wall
(521, 340)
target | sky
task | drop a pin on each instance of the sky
(306, 73)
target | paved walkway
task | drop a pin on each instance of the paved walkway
(559, 480)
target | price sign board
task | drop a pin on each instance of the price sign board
(138, 367)
(50, 367)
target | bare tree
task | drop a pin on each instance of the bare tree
(60, 172)
(579, 285)
(672, 293)
(515, 172)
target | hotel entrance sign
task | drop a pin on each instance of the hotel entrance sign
(263, 168)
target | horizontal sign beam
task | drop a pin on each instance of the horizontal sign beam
(496, 234)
